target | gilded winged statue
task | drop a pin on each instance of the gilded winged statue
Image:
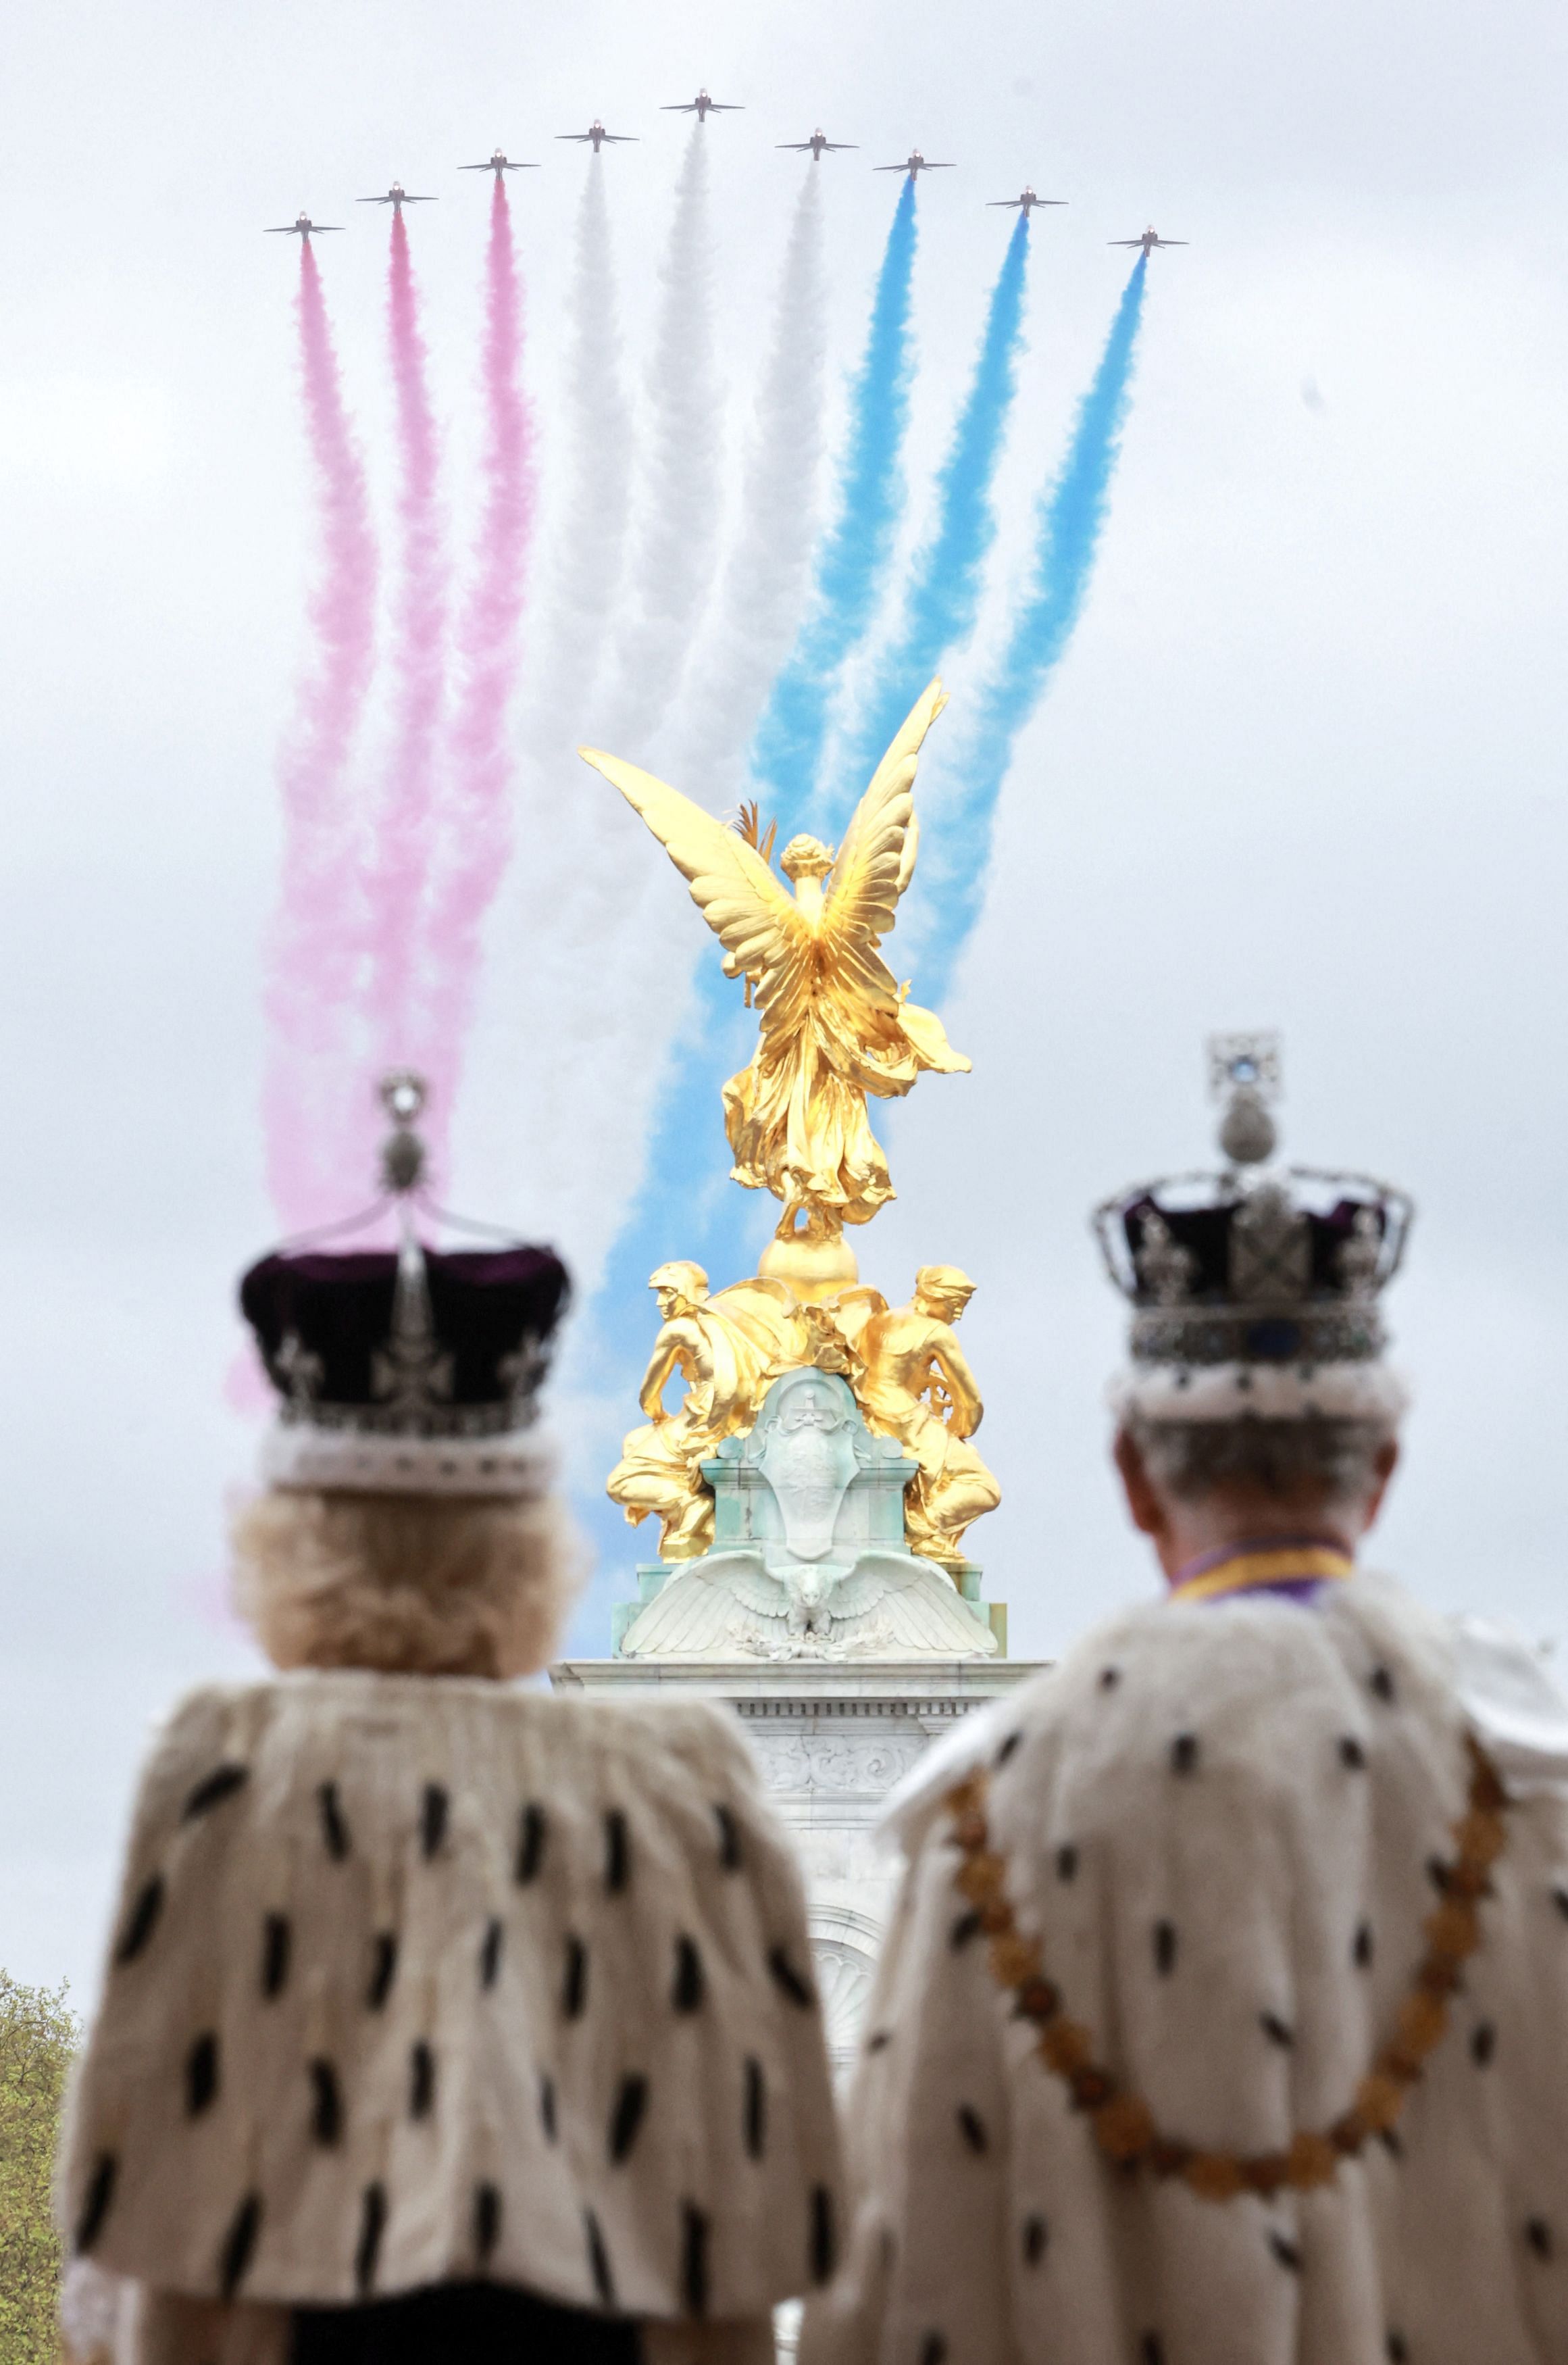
(836, 1024)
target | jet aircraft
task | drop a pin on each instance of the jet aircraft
(300, 226)
(914, 164)
(598, 135)
(1149, 242)
(819, 143)
(497, 162)
(701, 106)
(397, 196)
(1026, 199)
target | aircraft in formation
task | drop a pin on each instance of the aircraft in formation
(598, 135)
(398, 197)
(1149, 242)
(819, 143)
(1026, 199)
(818, 146)
(497, 162)
(701, 106)
(300, 226)
(914, 164)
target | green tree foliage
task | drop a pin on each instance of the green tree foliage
(37, 2036)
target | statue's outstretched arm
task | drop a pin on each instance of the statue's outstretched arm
(663, 1364)
(968, 1409)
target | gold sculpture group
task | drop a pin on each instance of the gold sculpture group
(835, 1026)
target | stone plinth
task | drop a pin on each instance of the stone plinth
(809, 1558)
(833, 1741)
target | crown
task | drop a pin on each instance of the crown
(411, 1369)
(1255, 1288)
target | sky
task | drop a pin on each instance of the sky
(1302, 767)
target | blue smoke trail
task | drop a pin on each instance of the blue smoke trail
(943, 598)
(788, 748)
(956, 851)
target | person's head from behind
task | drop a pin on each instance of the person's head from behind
(1255, 1405)
(409, 1520)
(1198, 1485)
(408, 1584)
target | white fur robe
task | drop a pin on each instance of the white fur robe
(1221, 1821)
(416, 1979)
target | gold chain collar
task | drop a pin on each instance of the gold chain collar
(1124, 2125)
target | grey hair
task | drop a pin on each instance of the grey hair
(1335, 1460)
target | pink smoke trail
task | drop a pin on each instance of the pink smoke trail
(399, 858)
(312, 951)
(476, 815)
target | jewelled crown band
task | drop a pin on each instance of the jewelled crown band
(1255, 1290)
(406, 1370)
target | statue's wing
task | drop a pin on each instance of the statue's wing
(761, 1594)
(876, 859)
(919, 1607)
(696, 1615)
(853, 1596)
(748, 906)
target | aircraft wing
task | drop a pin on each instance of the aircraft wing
(1004, 201)
(726, 107)
(1123, 242)
(677, 106)
(1173, 242)
(890, 168)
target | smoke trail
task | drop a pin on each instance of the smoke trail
(313, 946)
(399, 857)
(598, 948)
(787, 749)
(474, 822)
(588, 542)
(677, 538)
(764, 576)
(1070, 517)
(944, 594)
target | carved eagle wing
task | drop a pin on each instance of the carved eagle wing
(744, 903)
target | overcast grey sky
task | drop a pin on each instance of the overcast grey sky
(1303, 767)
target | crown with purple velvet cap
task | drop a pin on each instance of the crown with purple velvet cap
(408, 1368)
(1255, 1290)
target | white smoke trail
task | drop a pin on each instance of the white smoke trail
(537, 990)
(766, 576)
(588, 538)
(675, 548)
(605, 955)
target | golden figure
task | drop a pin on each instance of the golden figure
(835, 1025)
(726, 1349)
(917, 1387)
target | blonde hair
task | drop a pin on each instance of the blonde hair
(406, 1584)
